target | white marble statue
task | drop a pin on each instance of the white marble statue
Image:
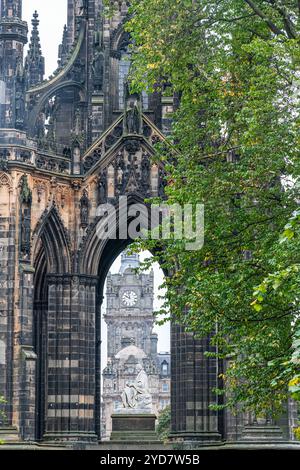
(136, 395)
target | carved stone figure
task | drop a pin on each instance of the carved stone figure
(98, 71)
(25, 192)
(20, 108)
(26, 232)
(137, 395)
(133, 113)
(102, 191)
(145, 171)
(40, 127)
(19, 95)
(25, 201)
(133, 119)
(84, 209)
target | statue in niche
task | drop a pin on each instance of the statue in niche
(120, 165)
(77, 72)
(102, 188)
(25, 193)
(25, 232)
(98, 70)
(133, 118)
(77, 123)
(133, 113)
(40, 127)
(137, 395)
(19, 95)
(84, 209)
(25, 202)
(19, 108)
(145, 171)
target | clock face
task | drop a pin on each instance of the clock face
(129, 298)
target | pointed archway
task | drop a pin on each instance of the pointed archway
(51, 255)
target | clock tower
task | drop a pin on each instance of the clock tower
(129, 312)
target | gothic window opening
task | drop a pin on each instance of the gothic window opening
(124, 69)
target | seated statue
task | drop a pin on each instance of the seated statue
(137, 395)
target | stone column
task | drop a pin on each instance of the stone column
(25, 356)
(71, 358)
(193, 376)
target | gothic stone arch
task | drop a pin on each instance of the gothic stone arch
(67, 304)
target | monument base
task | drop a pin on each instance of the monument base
(133, 427)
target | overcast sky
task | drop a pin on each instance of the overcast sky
(53, 16)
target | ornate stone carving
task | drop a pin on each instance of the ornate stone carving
(63, 192)
(4, 180)
(19, 96)
(3, 165)
(145, 173)
(102, 188)
(25, 191)
(132, 146)
(41, 187)
(84, 209)
(98, 71)
(25, 203)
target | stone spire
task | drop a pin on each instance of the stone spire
(13, 37)
(35, 62)
(63, 48)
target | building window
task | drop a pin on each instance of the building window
(165, 387)
(165, 368)
(164, 403)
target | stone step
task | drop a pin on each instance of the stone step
(134, 436)
(133, 445)
(9, 434)
(262, 433)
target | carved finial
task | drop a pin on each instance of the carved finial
(34, 63)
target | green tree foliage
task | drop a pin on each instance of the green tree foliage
(234, 66)
(164, 424)
(2, 413)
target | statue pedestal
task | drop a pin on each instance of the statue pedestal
(134, 427)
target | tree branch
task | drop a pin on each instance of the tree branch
(264, 17)
(288, 23)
